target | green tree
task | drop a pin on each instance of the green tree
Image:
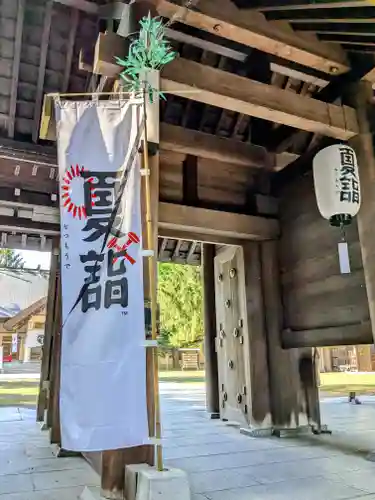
(180, 299)
(10, 258)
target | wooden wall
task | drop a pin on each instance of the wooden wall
(219, 184)
(315, 295)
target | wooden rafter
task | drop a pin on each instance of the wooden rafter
(193, 142)
(193, 246)
(42, 68)
(251, 29)
(84, 5)
(162, 248)
(16, 66)
(176, 251)
(70, 48)
(242, 95)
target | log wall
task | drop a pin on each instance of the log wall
(315, 295)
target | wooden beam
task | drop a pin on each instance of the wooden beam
(27, 226)
(108, 45)
(16, 66)
(242, 95)
(193, 142)
(251, 29)
(70, 48)
(84, 5)
(213, 239)
(27, 177)
(42, 67)
(205, 222)
(357, 334)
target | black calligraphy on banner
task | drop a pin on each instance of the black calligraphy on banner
(115, 287)
(100, 193)
(348, 176)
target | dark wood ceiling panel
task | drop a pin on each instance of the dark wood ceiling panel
(343, 27)
(265, 5)
(357, 14)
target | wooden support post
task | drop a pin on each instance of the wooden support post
(54, 404)
(285, 386)
(48, 334)
(259, 411)
(211, 368)
(360, 97)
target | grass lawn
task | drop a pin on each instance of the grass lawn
(332, 384)
(24, 393)
(183, 377)
(21, 393)
(343, 382)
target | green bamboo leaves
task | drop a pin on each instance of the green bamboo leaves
(149, 51)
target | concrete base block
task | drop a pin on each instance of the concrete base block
(291, 432)
(230, 423)
(323, 429)
(170, 484)
(91, 493)
(44, 426)
(131, 479)
(258, 433)
(62, 453)
(213, 416)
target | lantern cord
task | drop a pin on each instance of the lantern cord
(343, 233)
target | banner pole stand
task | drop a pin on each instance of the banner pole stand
(152, 263)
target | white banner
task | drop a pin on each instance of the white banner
(35, 338)
(103, 367)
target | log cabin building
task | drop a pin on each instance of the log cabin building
(271, 83)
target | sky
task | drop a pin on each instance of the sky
(34, 259)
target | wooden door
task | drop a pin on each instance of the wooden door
(229, 293)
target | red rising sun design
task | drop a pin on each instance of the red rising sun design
(73, 195)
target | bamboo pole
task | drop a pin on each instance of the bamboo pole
(57, 95)
(152, 263)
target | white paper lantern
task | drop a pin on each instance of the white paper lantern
(336, 181)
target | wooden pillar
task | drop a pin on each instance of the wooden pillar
(258, 376)
(209, 310)
(360, 97)
(54, 402)
(285, 386)
(48, 333)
